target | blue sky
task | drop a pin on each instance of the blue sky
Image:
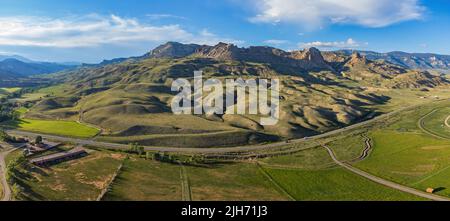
(93, 30)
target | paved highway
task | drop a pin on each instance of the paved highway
(203, 150)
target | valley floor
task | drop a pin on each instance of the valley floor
(408, 146)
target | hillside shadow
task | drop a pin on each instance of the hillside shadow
(439, 189)
(13, 124)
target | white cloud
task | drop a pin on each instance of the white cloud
(314, 13)
(276, 42)
(165, 16)
(91, 31)
(208, 38)
(348, 44)
(6, 52)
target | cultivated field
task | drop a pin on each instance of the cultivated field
(332, 184)
(406, 154)
(81, 179)
(438, 122)
(142, 179)
(240, 181)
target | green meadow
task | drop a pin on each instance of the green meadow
(405, 154)
(64, 128)
(147, 180)
(9, 90)
(411, 159)
(332, 184)
(436, 122)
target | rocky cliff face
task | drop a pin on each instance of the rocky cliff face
(173, 50)
(306, 60)
(268, 61)
(357, 59)
(312, 58)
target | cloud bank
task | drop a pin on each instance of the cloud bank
(92, 31)
(276, 42)
(315, 13)
(348, 44)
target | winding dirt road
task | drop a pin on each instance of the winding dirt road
(383, 181)
(421, 124)
(6, 189)
(446, 121)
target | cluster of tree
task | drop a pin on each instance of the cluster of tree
(7, 111)
(195, 159)
(136, 148)
(167, 158)
(5, 137)
(11, 170)
(8, 108)
(16, 191)
(38, 140)
(163, 157)
(17, 94)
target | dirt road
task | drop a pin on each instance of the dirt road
(6, 189)
(383, 181)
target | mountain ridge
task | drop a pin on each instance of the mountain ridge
(18, 68)
(422, 61)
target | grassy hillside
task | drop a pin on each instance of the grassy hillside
(131, 100)
(307, 109)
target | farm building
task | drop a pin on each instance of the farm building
(44, 146)
(75, 153)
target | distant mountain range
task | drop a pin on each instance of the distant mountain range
(19, 67)
(13, 66)
(233, 60)
(17, 57)
(422, 61)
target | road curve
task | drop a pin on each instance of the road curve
(205, 150)
(420, 124)
(6, 189)
(383, 181)
(446, 121)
